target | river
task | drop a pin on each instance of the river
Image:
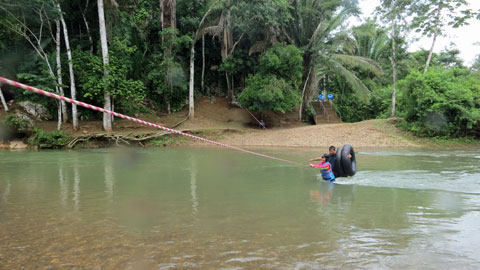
(211, 208)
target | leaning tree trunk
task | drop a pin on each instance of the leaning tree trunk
(312, 87)
(73, 90)
(87, 26)
(2, 98)
(107, 120)
(300, 111)
(435, 34)
(429, 58)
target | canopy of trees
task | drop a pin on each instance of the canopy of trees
(151, 55)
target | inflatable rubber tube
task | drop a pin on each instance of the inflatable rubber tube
(349, 165)
(339, 165)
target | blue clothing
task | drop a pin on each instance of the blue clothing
(326, 170)
(328, 175)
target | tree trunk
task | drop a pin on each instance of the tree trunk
(191, 106)
(73, 90)
(435, 34)
(203, 64)
(60, 104)
(429, 58)
(63, 109)
(4, 103)
(168, 20)
(229, 88)
(227, 50)
(107, 120)
(300, 112)
(394, 70)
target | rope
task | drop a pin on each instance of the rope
(79, 103)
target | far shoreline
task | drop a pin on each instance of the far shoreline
(370, 134)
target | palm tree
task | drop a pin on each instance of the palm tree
(223, 30)
(195, 37)
(369, 41)
(316, 30)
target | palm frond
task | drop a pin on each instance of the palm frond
(355, 83)
(363, 63)
(334, 23)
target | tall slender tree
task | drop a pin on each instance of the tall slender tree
(432, 17)
(63, 107)
(107, 120)
(195, 37)
(394, 13)
(73, 90)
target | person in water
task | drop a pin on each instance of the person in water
(332, 159)
(325, 168)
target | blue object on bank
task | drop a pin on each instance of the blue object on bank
(330, 96)
(321, 97)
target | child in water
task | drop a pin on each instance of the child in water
(325, 168)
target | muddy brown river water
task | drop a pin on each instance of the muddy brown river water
(210, 208)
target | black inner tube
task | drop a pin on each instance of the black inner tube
(340, 171)
(349, 165)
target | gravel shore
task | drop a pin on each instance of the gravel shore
(371, 133)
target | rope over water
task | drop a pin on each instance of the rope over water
(79, 103)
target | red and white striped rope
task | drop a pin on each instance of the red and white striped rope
(79, 103)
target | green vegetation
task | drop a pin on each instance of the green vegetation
(46, 140)
(277, 55)
(274, 87)
(444, 103)
(16, 124)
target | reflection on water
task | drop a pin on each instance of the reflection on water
(193, 185)
(76, 186)
(212, 208)
(109, 178)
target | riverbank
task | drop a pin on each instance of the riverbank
(372, 133)
(235, 126)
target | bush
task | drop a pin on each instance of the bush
(128, 94)
(275, 86)
(283, 61)
(268, 93)
(46, 140)
(441, 102)
(17, 124)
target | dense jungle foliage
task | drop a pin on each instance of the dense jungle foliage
(264, 55)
